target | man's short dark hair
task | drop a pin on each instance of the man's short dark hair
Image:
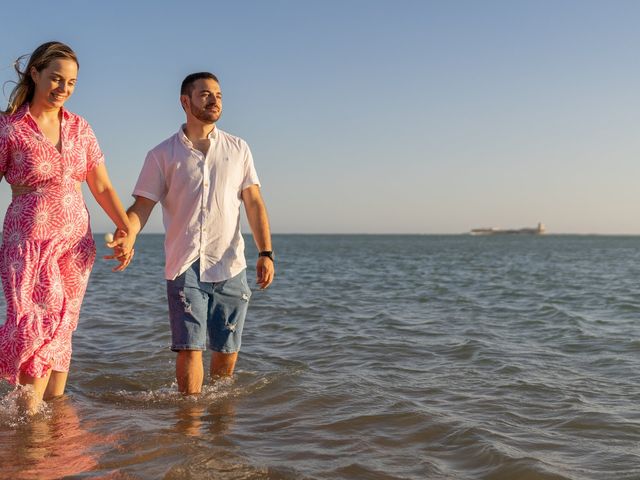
(189, 80)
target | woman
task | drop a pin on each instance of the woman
(47, 247)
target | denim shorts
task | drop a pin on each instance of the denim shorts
(200, 309)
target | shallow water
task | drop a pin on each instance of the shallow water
(371, 357)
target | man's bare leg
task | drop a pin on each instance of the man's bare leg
(189, 371)
(32, 398)
(223, 364)
(56, 385)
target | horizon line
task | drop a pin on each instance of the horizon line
(458, 234)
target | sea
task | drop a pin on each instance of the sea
(372, 357)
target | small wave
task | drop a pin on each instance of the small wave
(633, 346)
(219, 466)
(626, 306)
(525, 469)
(488, 454)
(466, 350)
(553, 311)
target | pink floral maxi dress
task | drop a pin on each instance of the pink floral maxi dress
(47, 248)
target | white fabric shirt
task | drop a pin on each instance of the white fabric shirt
(200, 197)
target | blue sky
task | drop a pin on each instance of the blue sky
(370, 116)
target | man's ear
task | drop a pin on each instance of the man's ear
(184, 102)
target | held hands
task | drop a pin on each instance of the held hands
(264, 272)
(122, 246)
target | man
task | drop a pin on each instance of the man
(201, 175)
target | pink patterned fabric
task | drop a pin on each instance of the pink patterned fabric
(47, 248)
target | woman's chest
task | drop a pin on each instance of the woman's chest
(35, 158)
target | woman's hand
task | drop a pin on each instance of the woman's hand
(123, 251)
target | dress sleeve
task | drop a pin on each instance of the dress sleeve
(151, 182)
(250, 174)
(94, 155)
(4, 146)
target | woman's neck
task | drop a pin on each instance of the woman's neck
(40, 111)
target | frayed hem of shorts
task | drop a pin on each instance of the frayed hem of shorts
(181, 348)
(224, 351)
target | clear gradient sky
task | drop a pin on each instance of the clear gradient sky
(369, 116)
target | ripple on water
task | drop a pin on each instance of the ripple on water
(219, 466)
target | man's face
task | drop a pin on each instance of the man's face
(205, 101)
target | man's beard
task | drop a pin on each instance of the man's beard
(204, 115)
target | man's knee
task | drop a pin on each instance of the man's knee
(191, 355)
(223, 364)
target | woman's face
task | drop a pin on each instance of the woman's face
(55, 83)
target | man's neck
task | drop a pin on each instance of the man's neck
(196, 131)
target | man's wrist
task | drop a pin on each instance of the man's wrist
(268, 254)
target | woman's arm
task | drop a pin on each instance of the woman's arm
(106, 196)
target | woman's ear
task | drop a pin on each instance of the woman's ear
(34, 74)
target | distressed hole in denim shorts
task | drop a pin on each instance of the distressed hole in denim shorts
(185, 302)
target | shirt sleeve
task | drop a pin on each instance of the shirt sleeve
(250, 174)
(95, 156)
(151, 181)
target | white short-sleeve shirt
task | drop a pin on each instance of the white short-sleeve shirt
(200, 197)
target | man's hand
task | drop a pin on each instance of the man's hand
(123, 251)
(265, 272)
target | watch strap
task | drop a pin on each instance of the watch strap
(267, 253)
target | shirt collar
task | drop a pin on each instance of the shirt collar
(213, 135)
(65, 113)
(22, 111)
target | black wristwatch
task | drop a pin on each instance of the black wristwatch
(267, 253)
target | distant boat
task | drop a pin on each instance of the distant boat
(539, 230)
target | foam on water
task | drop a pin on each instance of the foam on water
(169, 395)
(12, 413)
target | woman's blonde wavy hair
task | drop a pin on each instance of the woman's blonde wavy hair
(39, 59)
